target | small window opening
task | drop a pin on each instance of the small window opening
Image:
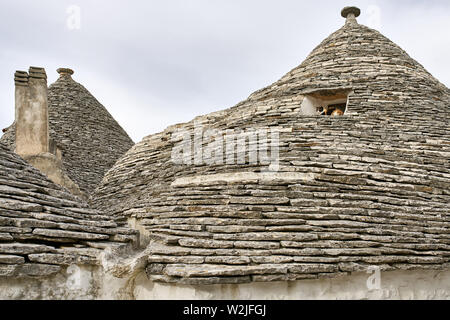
(325, 102)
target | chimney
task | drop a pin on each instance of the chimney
(350, 14)
(32, 134)
(32, 128)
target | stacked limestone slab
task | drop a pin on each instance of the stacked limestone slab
(44, 228)
(370, 188)
(89, 138)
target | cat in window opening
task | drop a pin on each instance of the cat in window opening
(337, 112)
(324, 111)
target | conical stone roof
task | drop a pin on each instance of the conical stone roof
(362, 59)
(43, 227)
(90, 139)
(370, 188)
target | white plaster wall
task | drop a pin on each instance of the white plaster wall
(72, 283)
(92, 283)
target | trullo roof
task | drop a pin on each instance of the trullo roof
(369, 188)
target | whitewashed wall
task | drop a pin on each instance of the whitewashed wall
(92, 283)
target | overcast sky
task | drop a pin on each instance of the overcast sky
(157, 63)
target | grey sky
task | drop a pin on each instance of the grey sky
(157, 63)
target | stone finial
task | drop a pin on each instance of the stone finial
(350, 13)
(65, 72)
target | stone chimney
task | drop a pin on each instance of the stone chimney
(32, 137)
(33, 142)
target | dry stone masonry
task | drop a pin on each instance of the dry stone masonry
(43, 228)
(369, 188)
